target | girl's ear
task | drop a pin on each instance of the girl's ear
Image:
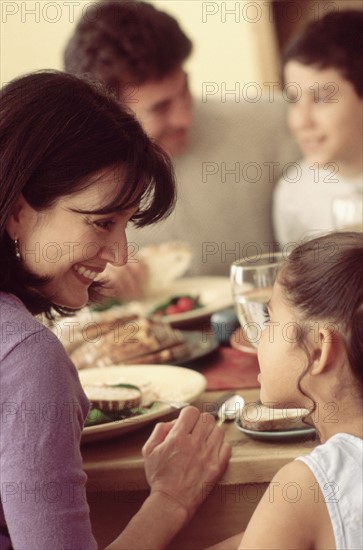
(14, 220)
(327, 350)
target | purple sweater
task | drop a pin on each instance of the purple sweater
(43, 407)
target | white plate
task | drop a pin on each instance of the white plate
(214, 293)
(199, 344)
(169, 382)
(299, 433)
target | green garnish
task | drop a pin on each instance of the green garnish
(106, 304)
(95, 416)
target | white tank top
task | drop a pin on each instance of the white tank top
(338, 466)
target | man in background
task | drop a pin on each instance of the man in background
(227, 154)
(138, 52)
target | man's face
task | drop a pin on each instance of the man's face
(164, 109)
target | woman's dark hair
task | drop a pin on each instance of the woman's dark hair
(323, 279)
(334, 41)
(56, 132)
(126, 42)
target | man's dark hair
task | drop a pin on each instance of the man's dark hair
(335, 41)
(126, 43)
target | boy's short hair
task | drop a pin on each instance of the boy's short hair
(335, 41)
(126, 42)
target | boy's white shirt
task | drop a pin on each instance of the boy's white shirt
(302, 204)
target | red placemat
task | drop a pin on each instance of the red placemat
(229, 368)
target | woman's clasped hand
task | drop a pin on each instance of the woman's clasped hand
(184, 458)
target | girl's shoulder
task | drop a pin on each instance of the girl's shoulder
(289, 505)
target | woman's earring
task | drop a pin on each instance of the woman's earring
(17, 250)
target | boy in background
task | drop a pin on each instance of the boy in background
(324, 78)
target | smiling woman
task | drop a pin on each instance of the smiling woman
(75, 169)
(74, 246)
(86, 171)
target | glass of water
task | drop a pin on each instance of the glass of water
(347, 212)
(252, 281)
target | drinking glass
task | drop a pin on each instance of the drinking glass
(252, 281)
(347, 212)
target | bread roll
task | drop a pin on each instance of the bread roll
(113, 398)
(139, 341)
(261, 418)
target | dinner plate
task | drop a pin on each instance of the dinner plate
(282, 435)
(200, 345)
(170, 383)
(214, 293)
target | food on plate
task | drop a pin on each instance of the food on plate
(106, 304)
(258, 417)
(165, 263)
(177, 304)
(115, 397)
(89, 326)
(137, 341)
(96, 416)
(111, 402)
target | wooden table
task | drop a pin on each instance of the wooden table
(117, 485)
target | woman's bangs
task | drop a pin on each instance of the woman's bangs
(148, 184)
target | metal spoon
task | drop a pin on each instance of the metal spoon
(230, 409)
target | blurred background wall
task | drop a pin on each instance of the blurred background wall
(236, 42)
